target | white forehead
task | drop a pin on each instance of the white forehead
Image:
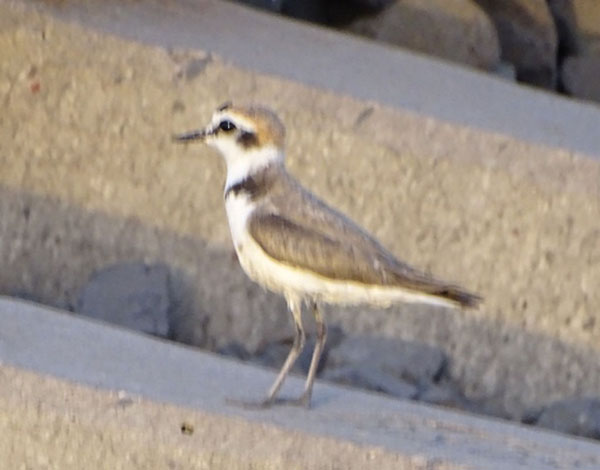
(239, 120)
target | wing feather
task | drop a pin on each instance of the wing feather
(308, 248)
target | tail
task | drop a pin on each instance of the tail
(458, 296)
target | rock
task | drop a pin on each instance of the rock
(580, 76)
(506, 71)
(457, 30)
(234, 349)
(414, 362)
(444, 395)
(133, 295)
(275, 353)
(531, 416)
(579, 416)
(307, 10)
(528, 38)
(190, 313)
(578, 24)
(274, 6)
(566, 26)
(370, 378)
(369, 4)
(342, 12)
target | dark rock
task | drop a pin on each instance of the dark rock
(444, 395)
(528, 38)
(578, 24)
(274, 6)
(234, 349)
(307, 10)
(566, 26)
(371, 378)
(188, 318)
(531, 416)
(133, 295)
(579, 416)
(414, 362)
(580, 76)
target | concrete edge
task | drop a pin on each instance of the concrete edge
(72, 348)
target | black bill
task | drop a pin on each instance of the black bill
(189, 136)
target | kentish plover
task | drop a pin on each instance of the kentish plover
(291, 243)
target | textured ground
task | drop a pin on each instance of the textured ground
(89, 177)
(126, 401)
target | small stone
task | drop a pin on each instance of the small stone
(133, 295)
(370, 378)
(444, 395)
(506, 70)
(408, 360)
(579, 416)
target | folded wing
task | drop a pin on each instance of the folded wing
(308, 248)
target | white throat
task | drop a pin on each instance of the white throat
(243, 163)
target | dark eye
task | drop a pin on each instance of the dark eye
(227, 126)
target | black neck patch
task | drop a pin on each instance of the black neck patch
(254, 186)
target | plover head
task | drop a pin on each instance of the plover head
(248, 137)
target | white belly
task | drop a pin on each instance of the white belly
(260, 267)
(300, 283)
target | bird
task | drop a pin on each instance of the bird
(292, 243)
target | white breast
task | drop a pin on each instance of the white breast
(252, 258)
(239, 207)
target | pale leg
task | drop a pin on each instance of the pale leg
(314, 363)
(295, 306)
